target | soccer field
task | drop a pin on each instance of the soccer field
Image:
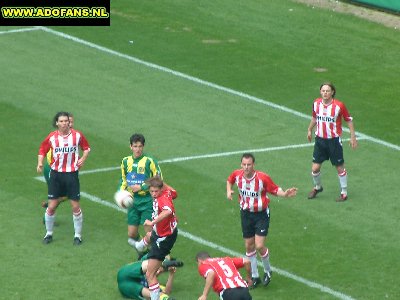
(200, 106)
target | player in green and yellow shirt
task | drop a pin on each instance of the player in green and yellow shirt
(135, 170)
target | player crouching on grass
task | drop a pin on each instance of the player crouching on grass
(132, 282)
(164, 230)
(221, 274)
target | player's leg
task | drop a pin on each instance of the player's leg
(77, 218)
(145, 208)
(320, 154)
(337, 159)
(133, 220)
(160, 248)
(54, 189)
(73, 193)
(261, 227)
(248, 233)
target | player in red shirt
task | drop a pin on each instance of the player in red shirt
(222, 275)
(164, 233)
(253, 187)
(327, 116)
(65, 163)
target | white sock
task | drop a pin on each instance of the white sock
(253, 261)
(155, 291)
(265, 261)
(316, 180)
(141, 246)
(132, 242)
(343, 182)
(78, 221)
(49, 221)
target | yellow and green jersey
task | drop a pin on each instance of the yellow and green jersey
(137, 171)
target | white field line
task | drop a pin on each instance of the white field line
(212, 155)
(19, 30)
(203, 82)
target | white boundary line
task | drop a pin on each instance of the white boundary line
(20, 30)
(212, 155)
(203, 82)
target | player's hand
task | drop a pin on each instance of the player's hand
(80, 162)
(249, 282)
(291, 192)
(135, 188)
(148, 223)
(39, 168)
(229, 194)
(202, 297)
(353, 142)
(309, 136)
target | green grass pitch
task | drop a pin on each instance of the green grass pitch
(204, 82)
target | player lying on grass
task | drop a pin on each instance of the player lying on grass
(132, 281)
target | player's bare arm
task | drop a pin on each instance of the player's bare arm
(229, 190)
(81, 160)
(353, 138)
(291, 192)
(39, 167)
(209, 282)
(310, 128)
(164, 214)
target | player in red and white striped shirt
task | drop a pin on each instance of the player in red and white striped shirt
(253, 187)
(164, 232)
(327, 116)
(221, 273)
(64, 143)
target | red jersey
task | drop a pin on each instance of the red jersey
(253, 192)
(226, 272)
(329, 118)
(164, 202)
(64, 149)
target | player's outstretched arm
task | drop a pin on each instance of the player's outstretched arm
(291, 192)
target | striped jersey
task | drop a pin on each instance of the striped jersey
(165, 202)
(329, 118)
(226, 272)
(137, 171)
(253, 192)
(64, 150)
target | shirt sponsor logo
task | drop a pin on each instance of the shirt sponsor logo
(246, 193)
(326, 119)
(65, 149)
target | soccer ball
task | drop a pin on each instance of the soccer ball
(123, 199)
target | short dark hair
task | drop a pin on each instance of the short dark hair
(137, 137)
(202, 255)
(248, 155)
(59, 114)
(330, 84)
